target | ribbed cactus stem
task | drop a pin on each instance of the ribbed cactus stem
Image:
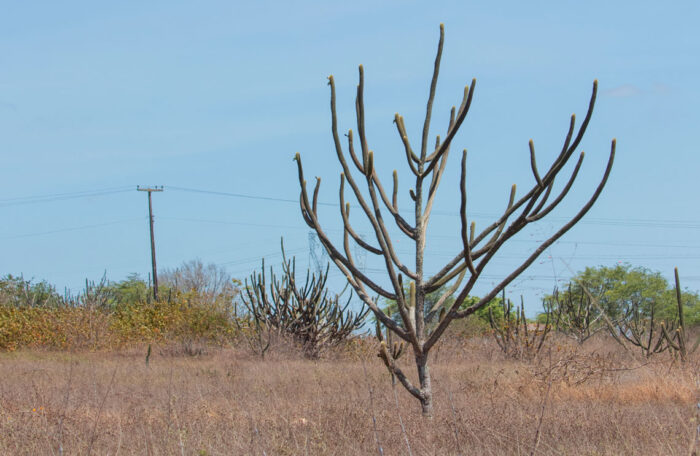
(394, 195)
(397, 350)
(681, 317)
(412, 303)
(378, 331)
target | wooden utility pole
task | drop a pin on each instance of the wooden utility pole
(153, 241)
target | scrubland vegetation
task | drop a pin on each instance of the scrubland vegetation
(283, 366)
(595, 399)
(109, 315)
(181, 376)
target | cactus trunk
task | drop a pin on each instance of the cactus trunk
(426, 401)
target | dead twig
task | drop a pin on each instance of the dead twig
(380, 450)
(93, 434)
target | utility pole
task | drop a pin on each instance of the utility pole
(153, 241)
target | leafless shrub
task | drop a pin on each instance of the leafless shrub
(211, 283)
(574, 316)
(572, 366)
(645, 332)
(188, 346)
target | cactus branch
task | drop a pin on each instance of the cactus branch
(478, 248)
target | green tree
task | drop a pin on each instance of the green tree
(432, 307)
(621, 288)
(18, 292)
(131, 290)
(212, 283)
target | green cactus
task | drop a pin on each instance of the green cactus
(512, 334)
(427, 163)
(389, 351)
(677, 338)
(307, 313)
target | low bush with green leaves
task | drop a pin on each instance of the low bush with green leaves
(109, 315)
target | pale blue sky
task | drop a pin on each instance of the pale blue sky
(220, 95)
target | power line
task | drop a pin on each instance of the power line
(241, 195)
(23, 200)
(74, 228)
(51, 195)
(260, 257)
(528, 241)
(538, 277)
(227, 222)
(107, 191)
(610, 256)
(257, 259)
(658, 223)
(617, 244)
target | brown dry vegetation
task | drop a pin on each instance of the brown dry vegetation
(597, 400)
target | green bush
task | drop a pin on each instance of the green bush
(107, 316)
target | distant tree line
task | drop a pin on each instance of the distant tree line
(637, 306)
(210, 283)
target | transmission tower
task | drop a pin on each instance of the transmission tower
(360, 256)
(317, 253)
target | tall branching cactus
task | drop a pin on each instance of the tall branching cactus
(677, 338)
(307, 313)
(257, 330)
(427, 165)
(644, 329)
(513, 333)
(641, 327)
(575, 316)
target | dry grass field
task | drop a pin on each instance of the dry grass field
(596, 400)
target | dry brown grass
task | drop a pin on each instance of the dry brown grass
(601, 401)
